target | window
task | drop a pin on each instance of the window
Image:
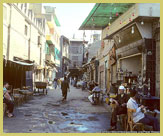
(21, 6)
(75, 58)
(26, 30)
(4, 13)
(39, 42)
(75, 50)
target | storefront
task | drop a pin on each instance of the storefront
(18, 74)
(136, 56)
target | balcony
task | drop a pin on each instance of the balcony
(49, 39)
(49, 57)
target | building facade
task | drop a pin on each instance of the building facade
(65, 61)
(132, 39)
(23, 50)
(52, 45)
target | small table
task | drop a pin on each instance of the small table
(25, 93)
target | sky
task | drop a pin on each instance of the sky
(71, 16)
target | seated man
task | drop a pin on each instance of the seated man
(95, 89)
(8, 100)
(139, 116)
(121, 102)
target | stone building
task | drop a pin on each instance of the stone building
(65, 61)
(76, 55)
(131, 34)
(23, 45)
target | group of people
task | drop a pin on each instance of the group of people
(73, 81)
(129, 101)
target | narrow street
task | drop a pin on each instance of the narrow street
(112, 49)
(48, 114)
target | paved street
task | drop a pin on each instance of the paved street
(48, 114)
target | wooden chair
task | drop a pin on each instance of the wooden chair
(123, 121)
(130, 124)
(121, 118)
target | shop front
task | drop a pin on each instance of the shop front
(18, 74)
(135, 55)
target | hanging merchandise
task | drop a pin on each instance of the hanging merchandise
(130, 19)
(110, 15)
(142, 23)
(109, 24)
(132, 31)
(117, 14)
(119, 40)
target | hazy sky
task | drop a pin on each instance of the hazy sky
(71, 16)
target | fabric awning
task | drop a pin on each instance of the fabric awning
(23, 63)
(67, 59)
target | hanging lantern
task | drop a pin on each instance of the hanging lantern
(109, 24)
(130, 19)
(142, 23)
(132, 31)
(119, 40)
(116, 14)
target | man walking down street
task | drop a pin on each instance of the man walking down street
(64, 88)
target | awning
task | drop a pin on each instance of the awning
(50, 63)
(67, 59)
(23, 63)
(22, 60)
(49, 40)
(56, 21)
(102, 14)
(50, 24)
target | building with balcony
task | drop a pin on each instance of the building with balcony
(52, 45)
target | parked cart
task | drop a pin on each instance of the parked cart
(40, 85)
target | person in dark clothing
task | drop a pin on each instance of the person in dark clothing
(64, 88)
(7, 99)
(55, 82)
(91, 85)
(121, 108)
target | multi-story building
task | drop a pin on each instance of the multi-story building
(52, 45)
(64, 44)
(23, 45)
(76, 54)
(130, 44)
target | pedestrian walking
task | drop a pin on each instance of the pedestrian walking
(64, 88)
(55, 83)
